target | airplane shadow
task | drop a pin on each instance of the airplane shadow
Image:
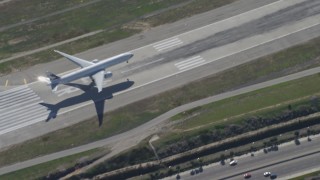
(89, 93)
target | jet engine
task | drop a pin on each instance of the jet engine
(107, 75)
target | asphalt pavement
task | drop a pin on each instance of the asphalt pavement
(288, 161)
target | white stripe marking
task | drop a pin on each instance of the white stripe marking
(167, 42)
(20, 109)
(191, 65)
(188, 60)
(22, 125)
(168, 47)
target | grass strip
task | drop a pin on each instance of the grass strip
(313, 175)
(58, 165)
(305, 87)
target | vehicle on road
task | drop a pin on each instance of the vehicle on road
(192, 172)
(266, 174)
(273, 176)
(233, 163)
(247, 175)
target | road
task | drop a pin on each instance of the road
(289, 161)
(197, 53)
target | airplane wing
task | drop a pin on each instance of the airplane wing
(78, 61)
(98, 79)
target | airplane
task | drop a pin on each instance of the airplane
(95, 70)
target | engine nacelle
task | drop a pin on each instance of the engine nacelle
(95, 60)
(107, 75)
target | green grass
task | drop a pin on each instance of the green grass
(307, 176)
(256, 100)
(260, 103)
(100, 15)
(19, 11)
(142, 111)
(41, 170)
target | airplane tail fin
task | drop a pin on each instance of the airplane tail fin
(51, 79)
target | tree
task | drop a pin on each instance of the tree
(178, 169)
(231, 154)
(222, 158)
(297, 133)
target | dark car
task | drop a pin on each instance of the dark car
(192, 172)
(273, 176)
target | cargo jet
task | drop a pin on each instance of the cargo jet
(95, 70)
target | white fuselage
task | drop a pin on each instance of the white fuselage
(93, 69)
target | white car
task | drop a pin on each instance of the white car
(233, 162)
(266, 174)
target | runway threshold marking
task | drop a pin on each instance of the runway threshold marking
(179, 72)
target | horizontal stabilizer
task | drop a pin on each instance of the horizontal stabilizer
(52, 76)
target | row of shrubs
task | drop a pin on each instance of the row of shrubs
(145, 153)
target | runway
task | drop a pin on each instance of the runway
(159, 66)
